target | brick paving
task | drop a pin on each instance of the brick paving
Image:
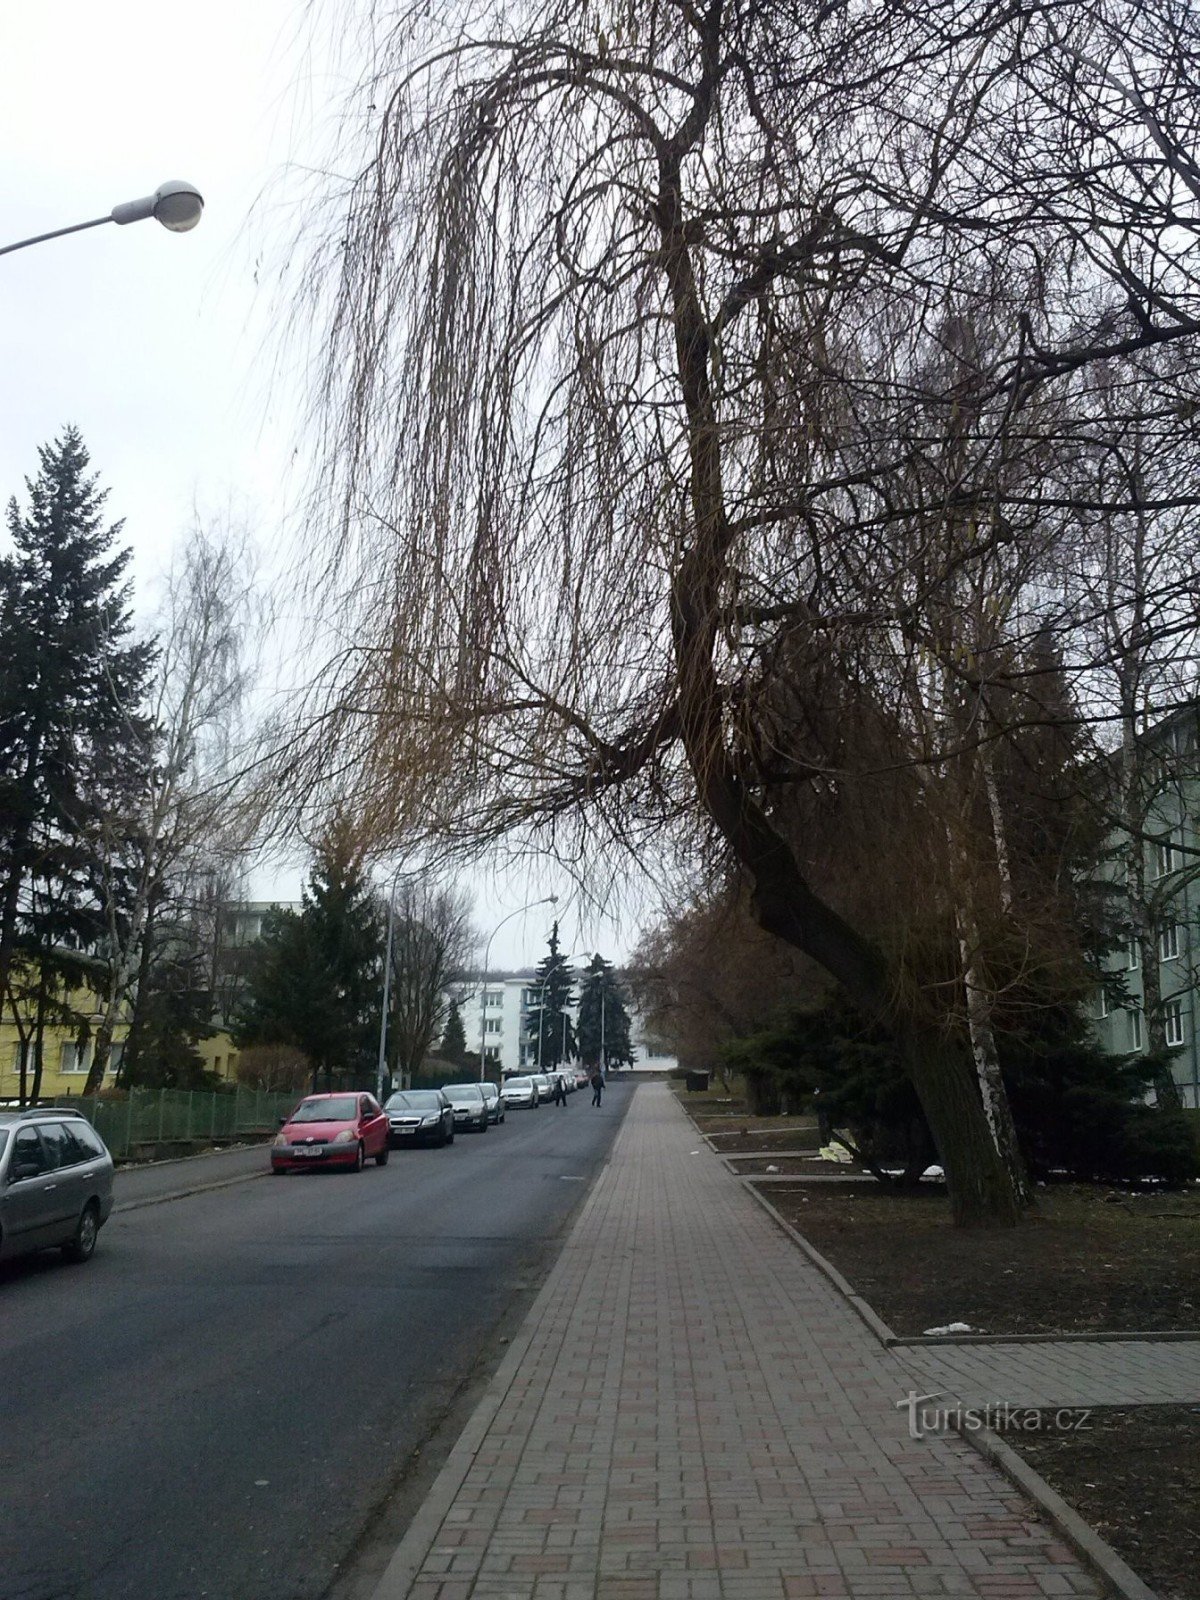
(1063, 1372)
(692, 1412)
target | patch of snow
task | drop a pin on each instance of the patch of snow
(951, 1327)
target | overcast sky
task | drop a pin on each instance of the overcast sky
(161, 347)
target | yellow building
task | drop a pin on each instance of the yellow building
(65, 1064)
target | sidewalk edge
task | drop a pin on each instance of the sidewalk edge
(422, 1531)
(1095, 1551)
(865, 1312)
(183, 1194)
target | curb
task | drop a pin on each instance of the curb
(866, 1313)
(1087, 1543)
(422, 1531)
(896, 1341)
(182, 1194)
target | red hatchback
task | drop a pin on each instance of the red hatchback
(332, 1130)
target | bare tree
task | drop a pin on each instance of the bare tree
(190, 808)
(431, 942)
(611, 301)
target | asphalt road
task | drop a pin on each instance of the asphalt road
(226, 1397)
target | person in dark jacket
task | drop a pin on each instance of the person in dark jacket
(560, 1090)
(597, 1086)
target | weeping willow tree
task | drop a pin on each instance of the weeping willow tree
(630, 318)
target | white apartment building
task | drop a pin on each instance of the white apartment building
(503, 1008)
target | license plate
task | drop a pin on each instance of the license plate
(303, 1152)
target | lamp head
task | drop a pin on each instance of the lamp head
(177, 205)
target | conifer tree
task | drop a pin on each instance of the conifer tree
(72, 688)
(316, 978)
(553, 992)
(603, 1017)
(454, 1040)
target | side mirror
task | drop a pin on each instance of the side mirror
(283, 1122)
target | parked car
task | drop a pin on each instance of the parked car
(332, 1130)
(470, 1108)
(495, 1101)
(56, 1183)
(545, 1085)
(582, 1077)
(520, 1092)
(420, 1116)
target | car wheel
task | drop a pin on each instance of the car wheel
(483, 1126)
(84, 1242)
(450, 1137)
(360, 1157)
(279, 1172)
(381, 1160)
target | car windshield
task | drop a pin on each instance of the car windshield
(342, 1108)
(415, 1100)
(519, 1083)
(464, 1091)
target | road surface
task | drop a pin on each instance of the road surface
(219, 1403)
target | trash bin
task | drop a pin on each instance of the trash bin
(697, 1080)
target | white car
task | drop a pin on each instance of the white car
(519, 1092)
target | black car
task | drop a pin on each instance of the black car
(419, 1116)
(470, 1107)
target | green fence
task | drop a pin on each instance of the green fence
(179, 1116)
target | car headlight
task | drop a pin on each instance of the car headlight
(280, 1139)
(428, 1122)
(347, 1136)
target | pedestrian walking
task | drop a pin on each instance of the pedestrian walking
(560, 1090)
(597, 1087)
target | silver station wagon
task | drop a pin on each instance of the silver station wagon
(56, 1183)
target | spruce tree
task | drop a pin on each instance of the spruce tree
(72, 690)
(553, 991)
(316, 979)
(603, 1017)
(454, 1040)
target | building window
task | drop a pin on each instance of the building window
(1173, 1016)
(493, 997)
(20, 1057)
(1101, 1004)
(73, 1058)
(1166, 856)
(493, 1025)
(1168, 943)
(1135, 1030)
(1133, 952)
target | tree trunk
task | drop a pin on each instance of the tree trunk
(992, 1092)
(980, 1184)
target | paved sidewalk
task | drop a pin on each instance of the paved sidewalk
(692, 1413)
(1067, 1372)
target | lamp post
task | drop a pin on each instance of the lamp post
(381, 1067)
(176, 204)
(546, 900)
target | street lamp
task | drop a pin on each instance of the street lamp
(381, 1068)
(546, 900)
(176, 204)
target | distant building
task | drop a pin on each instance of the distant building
(1172, 869)
(505, 1009)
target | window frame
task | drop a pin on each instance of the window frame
(1173, 1023)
